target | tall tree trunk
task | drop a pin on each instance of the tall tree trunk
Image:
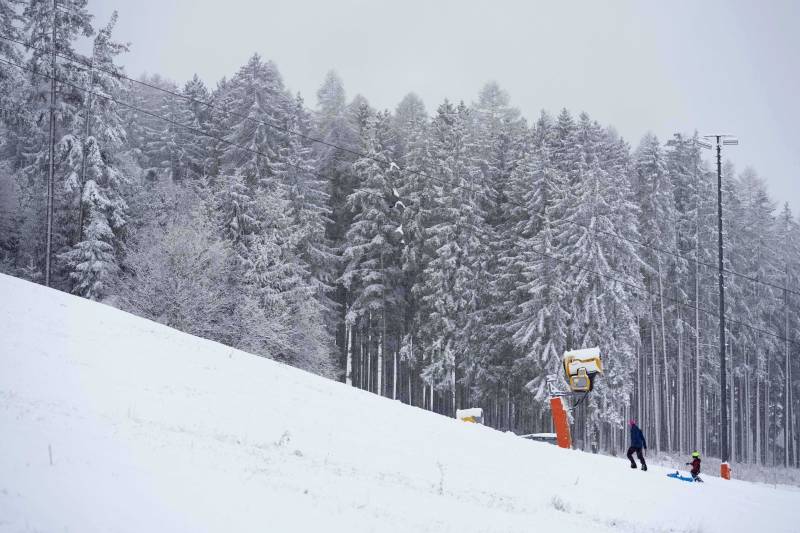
(680, 415)
(453, 386)
(349, 366)
(794, 429)
(786, 372)
(698, 405)
(731, 405)
(379, 386)
(640, 377)
(749, 414)
(759, 459)
(410, 388)
(639, 384)
(768, 455)
(666, 401)
(369, 352)
(410, 372)
(361, 363)
(656, 384)
(697, 389)
(87, 126)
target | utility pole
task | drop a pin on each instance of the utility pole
(723, 375)
(52, 149)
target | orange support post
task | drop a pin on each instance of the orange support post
(725, 471)
(560, 422)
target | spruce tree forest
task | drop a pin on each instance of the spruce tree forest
(445, 257)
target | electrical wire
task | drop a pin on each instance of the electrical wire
(401, 169)
(585, 394)
(632, 286)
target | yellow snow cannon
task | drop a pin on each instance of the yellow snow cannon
(581, 367)
(474, 415)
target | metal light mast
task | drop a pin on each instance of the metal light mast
(722, 140)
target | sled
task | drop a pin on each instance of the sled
(676, 475)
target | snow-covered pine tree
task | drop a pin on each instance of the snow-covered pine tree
(498, 132)
(688, 175)
(758, 260)
(735, 290)
(332, 123)
(499, 137)
(11, 79)
(309, 208)
(539, 328)
(624, 261)
(408, 116)
(613, 214)
(787, 322)
(14, 121)
(257, 93)
(657, 218)
(452, 279)
(71, 21)
(256, 217)
(164, 145)
(94, 176)
(371, 248)
(417, 192)
(280, 282)
(197, 115)
(10, 26)
(217, 123)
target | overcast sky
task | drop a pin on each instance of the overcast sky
(721, 66)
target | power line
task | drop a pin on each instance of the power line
(400, 168)
(160, 117)
(635, 287)
(632, 286)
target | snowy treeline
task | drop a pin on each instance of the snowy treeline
(519, 240)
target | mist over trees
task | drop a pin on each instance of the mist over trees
(214, 210)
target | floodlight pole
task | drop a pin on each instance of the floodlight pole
(723, 378)
(722, 369)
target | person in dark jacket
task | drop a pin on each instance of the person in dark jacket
(695, 471)
(638, 443)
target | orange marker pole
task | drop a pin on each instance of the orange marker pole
(725, 471)
(560, 422)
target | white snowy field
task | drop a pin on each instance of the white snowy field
(153, 430)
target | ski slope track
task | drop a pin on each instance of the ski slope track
(154, 430)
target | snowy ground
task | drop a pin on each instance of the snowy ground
(769, 475)
(155, 430)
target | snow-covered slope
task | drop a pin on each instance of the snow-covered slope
(154, 430)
